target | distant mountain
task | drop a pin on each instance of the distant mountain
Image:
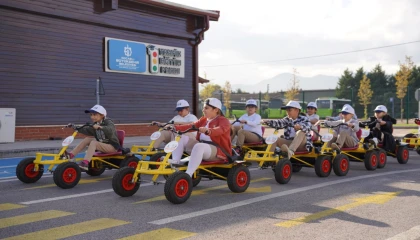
(281, 82)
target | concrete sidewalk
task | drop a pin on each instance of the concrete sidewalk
(29, 148)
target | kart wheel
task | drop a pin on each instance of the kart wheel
(25, 171)
(296, 168)
(283, 172)
(121, 182)
(157, 157)
(196, 180)
(97, 170)
(67, 175)
(341, 165)
(371, 160)
(418, 150)
(178, 187)
(402, 154)
(238, 179)
(410, 135)
(130, 161)
(382, 158)
(323, 166)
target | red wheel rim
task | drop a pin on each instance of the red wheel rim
(373, 160)
(29, 171)
(405, 154)
(181, 188)
(69, 175)
(133, 164)
(382, 158)
(126, 182)
(286, 171)
(326, 166)
(241, 179)
(344, 164)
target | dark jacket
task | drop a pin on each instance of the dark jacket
(106, 134)
(387, 128)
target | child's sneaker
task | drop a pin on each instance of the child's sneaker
(238, 150)
(374, 142)
(284, 148)
(334, 146)
(84, 165)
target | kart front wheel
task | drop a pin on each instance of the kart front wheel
(178, 187)
(122, 182)
(283, 171)
(323, 166)
(238, 179)
(382, 158)
(341, 165)
(130, 161)
(25, 171)
(157, 157)
(371, 160)
(67, 175)
(402, 154)
(96, 170)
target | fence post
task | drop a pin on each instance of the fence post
(408, 108)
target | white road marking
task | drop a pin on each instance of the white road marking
(270, 196)
(8, 166)
(411, 234)
(10, 179)
(75, 195)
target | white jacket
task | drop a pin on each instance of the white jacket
(253, 123)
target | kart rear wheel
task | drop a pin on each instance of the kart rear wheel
(67, 175)
(402, 154)
(122, 182)
(323, 166)
(283, 172)
(418, 150)
(296, 168)
(371, 160)
(178, 187)
(238, 179)
(25, 171)
(130, 161)
(196, 180)
(97, 170)
(382, 158)
(341, 165)
(157, 157)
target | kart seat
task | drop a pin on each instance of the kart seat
(350, 149)
(314, 136)
(211, 162)
(257, 143)
(359, 134)
(301, 152)
(121, 135)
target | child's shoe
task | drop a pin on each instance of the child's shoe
(84, 165)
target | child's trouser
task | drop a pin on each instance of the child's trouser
(246, 137)
(343, 140)
(93, 146)
(167, 136)
(298, 142)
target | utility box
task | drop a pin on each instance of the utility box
(7, 125)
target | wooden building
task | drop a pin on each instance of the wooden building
(53, 52)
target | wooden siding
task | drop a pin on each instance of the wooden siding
(49, 66)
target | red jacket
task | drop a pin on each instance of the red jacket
(219, 132)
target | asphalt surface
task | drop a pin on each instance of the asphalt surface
(364, 204)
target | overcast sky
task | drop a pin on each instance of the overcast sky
(258, 31)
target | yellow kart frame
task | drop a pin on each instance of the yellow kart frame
(126, 181)
(67, 174)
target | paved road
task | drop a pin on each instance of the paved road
(365, 204)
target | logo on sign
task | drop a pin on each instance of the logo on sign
(127, 51)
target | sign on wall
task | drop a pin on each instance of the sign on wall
(143, 58)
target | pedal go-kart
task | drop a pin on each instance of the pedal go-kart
(413, 140)
(126, 181)
(67, 174)
(401, 150)
(145, 151)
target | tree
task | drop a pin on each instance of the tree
(293, 91)
(208, 90)
(240, 91)
(401, 80)
(267, 97)
(345, 82)
(365, 93)
(227, 90)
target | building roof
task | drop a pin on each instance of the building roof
(213, 15)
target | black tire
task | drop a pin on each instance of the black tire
(283, 171)
(121, 182)
(67, 175)
(323, 166)
(196, 181)
(382, 158)
(238, 179)
(410, 135)
(157, 157)
(130, 161)
(341, 165)
(418, 150)
(178, 187)
(97, 170)
(371, 160)
(402, 154)
(25, 173)
(296, 168)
